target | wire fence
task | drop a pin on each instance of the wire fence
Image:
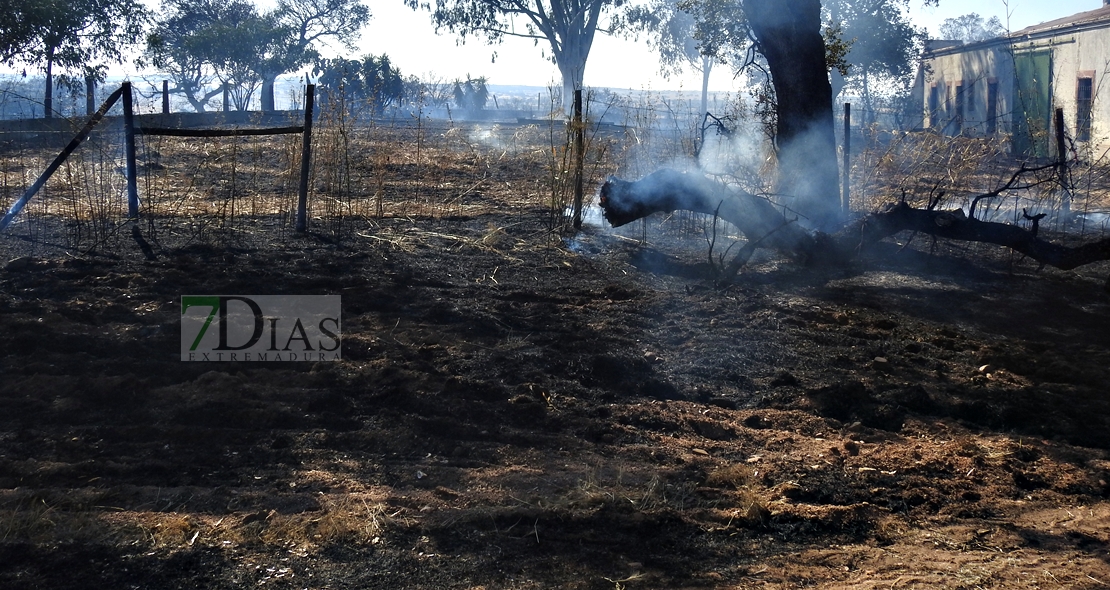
(241, 191)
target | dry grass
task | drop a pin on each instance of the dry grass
(242, 191)
(925, 168)
(341, 518)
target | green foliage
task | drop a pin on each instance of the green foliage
(567, 26)
(471, 95)
(721, 29)
(882, 44)
(19, 31)
(373, 81)
(296, 27)
(671, 33)
(837, 49)
(971, 28)
(70, 34)
(198, 42)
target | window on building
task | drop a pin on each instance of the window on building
(969, 96)
(992, 108)
(1084, 97)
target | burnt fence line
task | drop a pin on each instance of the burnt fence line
(131, 129)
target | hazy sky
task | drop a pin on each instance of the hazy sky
(409, 39)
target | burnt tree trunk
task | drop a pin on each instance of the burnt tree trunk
(788, 34)
(758, 219)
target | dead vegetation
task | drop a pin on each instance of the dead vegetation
(521, 408)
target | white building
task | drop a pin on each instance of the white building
(1014, 84)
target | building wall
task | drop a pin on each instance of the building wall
(967, 76)
(1079, 53)
(1084, 54)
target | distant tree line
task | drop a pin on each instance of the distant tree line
(202, 46)
(205, 46)
(209, 47)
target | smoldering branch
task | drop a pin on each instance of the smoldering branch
(758, 219)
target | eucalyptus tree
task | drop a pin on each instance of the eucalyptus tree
(73, 35)
(971, 28)
(296, 28)
(567, 27)
(882, 44)
(198, 43)
(671, 33)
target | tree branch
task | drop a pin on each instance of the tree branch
(758, 219)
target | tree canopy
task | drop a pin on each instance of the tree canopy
(297, 27)
(71, 35)
(882, 43)
(200, 41)
(19, 32)
(971, 28)
(567, 26)
(373, 81)
(672, 29)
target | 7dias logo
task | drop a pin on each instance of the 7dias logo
(260, 328)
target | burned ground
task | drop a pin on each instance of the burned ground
(520, 409)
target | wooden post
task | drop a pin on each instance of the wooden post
(1062, 164)
(845, 190)
(165, 97)
(129, 153)
(90, 95)
(227, 99)
(579, 156)
(306, 156)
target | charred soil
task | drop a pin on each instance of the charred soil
(519, 410)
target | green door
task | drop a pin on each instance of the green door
(1032, 103)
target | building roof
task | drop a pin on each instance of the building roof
(1083, 18)
(1100, 17)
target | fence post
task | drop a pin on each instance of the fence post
(129, 152)
(306, 156)
(165, 97)
(1062, 164)
(227, 99)
(90, 95)
(845, 189)
(579, 157)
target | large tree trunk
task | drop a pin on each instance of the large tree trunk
(90, 95)
(760, 221)
(48, 91)
(788, 33)
(706, 67)
(268, 82)
(572, 66)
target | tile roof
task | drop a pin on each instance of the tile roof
(1083, 18)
